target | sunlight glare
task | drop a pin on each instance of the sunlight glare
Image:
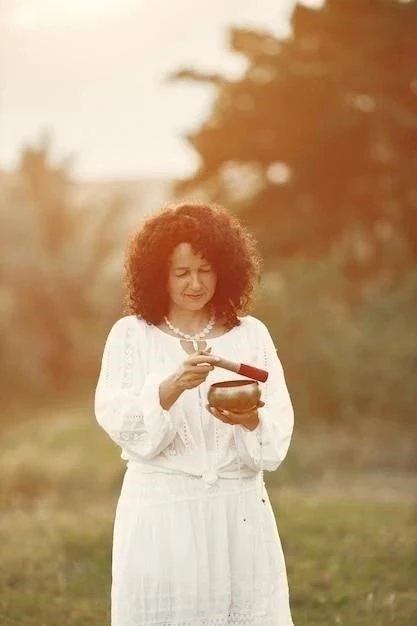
(33, 13)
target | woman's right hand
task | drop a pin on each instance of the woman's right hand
(191, 373)
(194, 370)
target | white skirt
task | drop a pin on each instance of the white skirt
(189, 554)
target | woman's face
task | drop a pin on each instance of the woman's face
(191, 279)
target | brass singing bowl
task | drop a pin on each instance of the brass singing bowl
(238, 396)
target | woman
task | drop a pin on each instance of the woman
(195, 540)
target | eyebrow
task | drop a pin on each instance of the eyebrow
(180, 267)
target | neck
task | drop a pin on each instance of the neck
(189, 321)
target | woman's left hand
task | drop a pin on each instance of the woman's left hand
(249, 420)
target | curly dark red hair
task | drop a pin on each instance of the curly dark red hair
(212, 232)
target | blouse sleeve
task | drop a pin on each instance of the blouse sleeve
(127, 404)
(267, 445)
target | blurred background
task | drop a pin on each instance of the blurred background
(302, 119)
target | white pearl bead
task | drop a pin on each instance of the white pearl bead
(195, 337)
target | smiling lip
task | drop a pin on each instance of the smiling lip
(198, 295)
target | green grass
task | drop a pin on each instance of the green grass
(351, 552)
(350, 562)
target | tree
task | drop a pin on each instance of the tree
(315, 145)
(58, 283)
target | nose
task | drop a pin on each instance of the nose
(195, 282)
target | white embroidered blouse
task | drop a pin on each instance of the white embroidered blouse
(187, 438)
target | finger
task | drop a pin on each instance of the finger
(200, 370)
(225, 420)
(193, 382)
(238, 418)
(230, 418)
(213, 411)
(203, 358)
(198, 374)
(249, 412)
(196, 367)
(219, 415)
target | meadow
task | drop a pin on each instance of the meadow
(350, 538)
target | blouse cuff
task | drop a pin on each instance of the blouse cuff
(251, 440)
(157, 421)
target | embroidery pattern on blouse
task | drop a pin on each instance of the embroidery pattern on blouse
(132, 424)
(185, 434)
(171, 449)
(221, 434)
(128, 360)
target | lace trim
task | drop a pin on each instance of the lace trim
(129, 358)
(222, 435)
(132, 426)
(182, 442)
(246, 618)
(185, 435)
(126, 436)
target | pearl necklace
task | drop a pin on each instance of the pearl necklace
(194, 338)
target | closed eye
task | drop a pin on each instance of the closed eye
(204, 270)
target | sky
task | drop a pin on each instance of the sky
(92, 75)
